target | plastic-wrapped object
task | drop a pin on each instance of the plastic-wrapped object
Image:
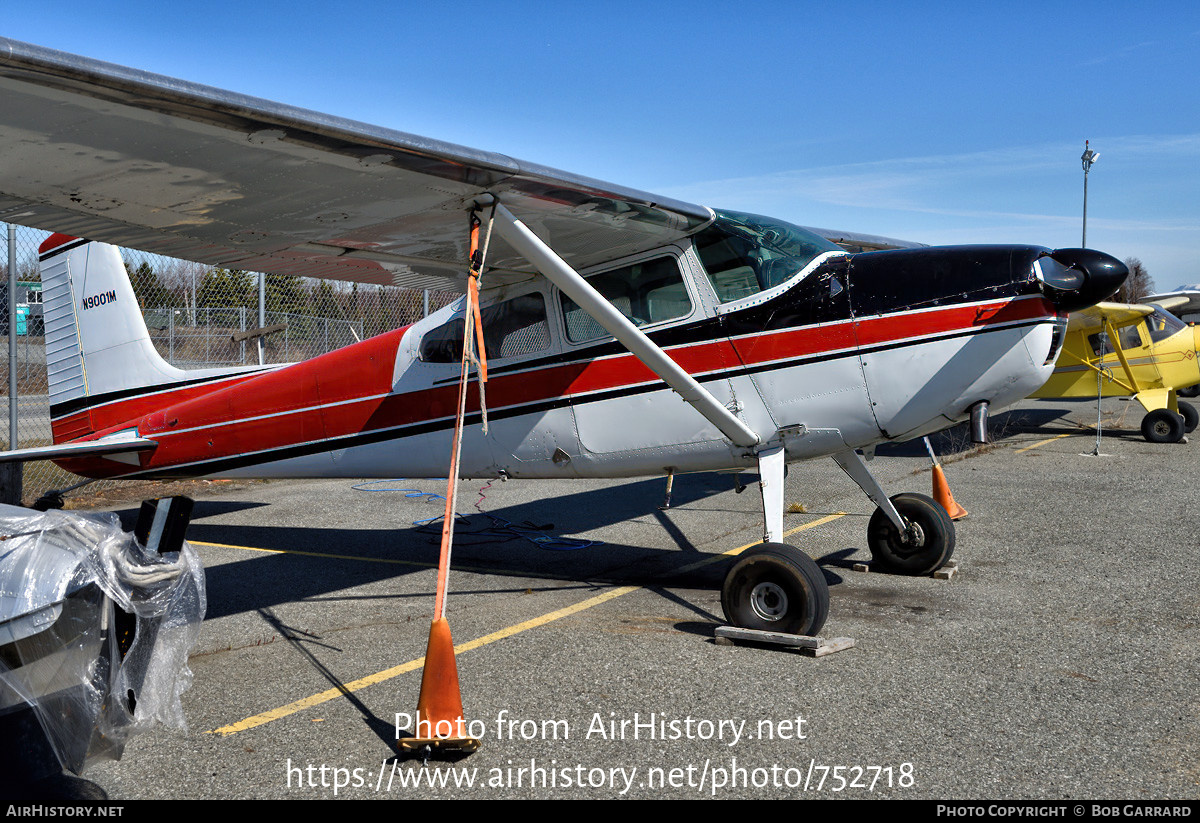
(94, 630)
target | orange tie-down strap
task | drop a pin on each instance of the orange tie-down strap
(473, 296)
(472, 309)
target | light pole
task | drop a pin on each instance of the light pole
(1088, 158)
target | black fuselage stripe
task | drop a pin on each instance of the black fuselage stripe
(64, 248)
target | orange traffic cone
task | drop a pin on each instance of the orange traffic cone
(941, 493)
(440, 725)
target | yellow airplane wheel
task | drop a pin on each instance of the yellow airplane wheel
(1163, 426)
(1190, 416)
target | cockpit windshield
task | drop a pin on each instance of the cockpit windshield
(747, 253)
(1162, 325)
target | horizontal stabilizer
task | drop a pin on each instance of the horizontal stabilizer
(106, 446)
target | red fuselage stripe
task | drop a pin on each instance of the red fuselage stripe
(347, 392)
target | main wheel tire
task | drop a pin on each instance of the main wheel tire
(1191, 417)
(1163, 426)
(778, 588)
(930, 545)
(1190, 391)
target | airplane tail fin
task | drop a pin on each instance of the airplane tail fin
(98, 348)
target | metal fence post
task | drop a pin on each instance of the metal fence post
(11, 473)
(262, 315)
(183, 285)
(13, 438)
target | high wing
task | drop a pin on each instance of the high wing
(1184, 300)
(1118, 314)
(1171, 303)
(112, 153)
(137, 159)
(856, 241)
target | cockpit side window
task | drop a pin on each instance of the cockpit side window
(650, 291)
(744, 254)
(1130, 337)
(510, 329)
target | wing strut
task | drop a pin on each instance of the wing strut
(556, 270)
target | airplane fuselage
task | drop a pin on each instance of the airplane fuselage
(849, 351)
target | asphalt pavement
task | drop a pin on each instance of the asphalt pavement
(1061, 661)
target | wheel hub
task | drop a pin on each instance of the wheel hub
(914, 535)
(769, 601)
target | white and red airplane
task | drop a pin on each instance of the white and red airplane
(626, 334)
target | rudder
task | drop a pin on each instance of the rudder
(97, 345)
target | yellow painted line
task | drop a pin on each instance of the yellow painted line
(715, 558)
(1043, 442)
(412, 665)
(390, 560)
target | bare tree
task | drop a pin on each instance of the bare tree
(1138, 285)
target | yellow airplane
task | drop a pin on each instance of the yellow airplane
(1184, 303)
(1140, 351)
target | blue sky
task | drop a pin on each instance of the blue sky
(936, 122)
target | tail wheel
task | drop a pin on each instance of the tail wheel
(926, 544)
(776, 587)
(1163, 426)
(1190, 416)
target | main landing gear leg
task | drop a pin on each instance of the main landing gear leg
(773, 586)
(908, 533)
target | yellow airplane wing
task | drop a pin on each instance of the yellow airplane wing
(1118, 314)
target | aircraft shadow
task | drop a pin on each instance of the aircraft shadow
(320, 563)
(271, 579)
(301, 641)
(203, 508)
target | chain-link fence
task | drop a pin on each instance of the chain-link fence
(198, 317)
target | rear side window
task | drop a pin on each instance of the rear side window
(510, 329)
(647, 292)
